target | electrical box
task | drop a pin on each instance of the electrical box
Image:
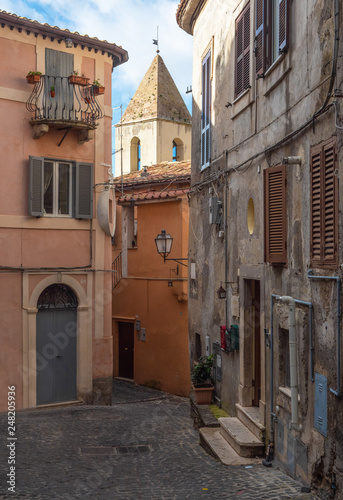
(234, 339)
(143, 334)
(207, 345)
(215, 205)
(229, 338)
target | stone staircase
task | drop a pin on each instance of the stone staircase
(237, 440)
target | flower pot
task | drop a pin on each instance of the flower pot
(78, 80)
(33, 78)
(52, 93)
(203, 395)
(98, 89)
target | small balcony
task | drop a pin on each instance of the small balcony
(57, 102)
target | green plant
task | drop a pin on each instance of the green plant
(74, 72)
(52, 88)
(34, 73)
(97, 83)
(202, 372)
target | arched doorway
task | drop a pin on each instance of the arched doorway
(56, 343)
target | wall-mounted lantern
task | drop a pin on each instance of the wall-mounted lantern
(221, 292)
(164, 244)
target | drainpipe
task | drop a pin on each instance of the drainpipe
(293, 361)
(336, 392)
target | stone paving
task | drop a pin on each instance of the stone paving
(142, 447)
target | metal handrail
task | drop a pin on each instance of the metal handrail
(116, 270)
(71, 103)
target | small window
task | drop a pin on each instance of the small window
(60, 188)
(177, 150)
(284, 359)
(275, 215)
(206, 112)
(242, 52)
(324, 205)
(135, 154)
(271, 32)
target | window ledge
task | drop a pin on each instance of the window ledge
(242, 102)
(287, 392)
(276, 73)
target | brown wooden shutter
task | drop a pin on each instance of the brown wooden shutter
(242, 51)
(324, 205)
(275, 215)
(259, 37)
(283, 25)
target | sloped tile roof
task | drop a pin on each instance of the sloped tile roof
(166, 180)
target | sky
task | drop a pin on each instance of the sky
(131, 24)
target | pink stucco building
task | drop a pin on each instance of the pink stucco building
(56, 215)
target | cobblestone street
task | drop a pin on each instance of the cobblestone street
(143, 447)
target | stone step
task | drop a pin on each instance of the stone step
(243, 441)
(217, 446)
(251, 418)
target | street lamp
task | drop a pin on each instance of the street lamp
(164, 244)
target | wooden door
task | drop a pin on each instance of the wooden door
(126, 350)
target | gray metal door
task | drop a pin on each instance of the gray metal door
(56, 347)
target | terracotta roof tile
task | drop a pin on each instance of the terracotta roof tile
(152, 195)
(162, 172)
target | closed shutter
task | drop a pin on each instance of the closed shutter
(275, 215)
(283, 25)
(324, 205)
(259, 37)
(206, 111)
(36, 173)
(242, 51)
(84, 191)
(58, 66)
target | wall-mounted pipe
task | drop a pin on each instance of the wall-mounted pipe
(336, 392)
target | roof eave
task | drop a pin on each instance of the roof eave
(187, 12)
(118, 54)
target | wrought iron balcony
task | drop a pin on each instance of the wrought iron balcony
(57, 102)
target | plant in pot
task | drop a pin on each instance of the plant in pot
(76, 79)
(98, 88)
(202, 380)
(33, 76)
(52, 90)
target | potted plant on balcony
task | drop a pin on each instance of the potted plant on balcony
(98, 89)
(76, 79)
(52, 91)
(202, 380)
(33, 76)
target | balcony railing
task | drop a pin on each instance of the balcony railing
(116, 270)
(75, 104)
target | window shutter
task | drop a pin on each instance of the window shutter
(259, 37)
(36, 176)
(275, 215)
(242, 51)
(283, 25)
(84, 191)
(324, 205)
(206, 111)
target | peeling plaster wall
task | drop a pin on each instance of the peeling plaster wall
(292, 90)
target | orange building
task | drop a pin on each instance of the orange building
(150, 319)
(55, 214)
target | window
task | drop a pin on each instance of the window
(60, 188)
(206, 111)
(324, 205)
(242, 52)
(271, 35)
(135, 154)
(284, 359)
(177, 150)
(275, 209)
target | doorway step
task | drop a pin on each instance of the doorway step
(238, 440)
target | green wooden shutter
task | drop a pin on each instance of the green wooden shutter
(275, 215)
(84, 191)
(58, 66)
(36, 186)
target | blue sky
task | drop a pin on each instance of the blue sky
(129, 23)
